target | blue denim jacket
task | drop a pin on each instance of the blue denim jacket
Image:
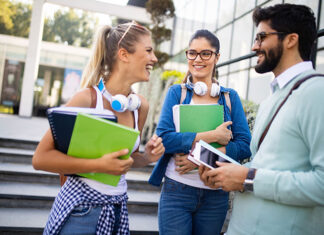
(174, 142)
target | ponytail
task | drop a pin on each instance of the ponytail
(96, 66)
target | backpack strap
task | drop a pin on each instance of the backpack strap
(295, 87)
(183, 92)
(228, 101)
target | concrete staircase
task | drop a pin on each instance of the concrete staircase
(26, 195)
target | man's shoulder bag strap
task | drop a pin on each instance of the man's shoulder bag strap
(297, 84)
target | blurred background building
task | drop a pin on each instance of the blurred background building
(54, 68)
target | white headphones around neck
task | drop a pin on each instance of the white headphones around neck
(120, 103)
(200, 88)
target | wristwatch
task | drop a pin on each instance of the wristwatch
(248, 182)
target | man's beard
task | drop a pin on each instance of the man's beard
(271, 59)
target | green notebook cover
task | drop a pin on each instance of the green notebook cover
(93, 137)
(200, 118)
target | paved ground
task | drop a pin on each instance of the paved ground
(16, 127)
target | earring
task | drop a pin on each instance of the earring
(106, 71)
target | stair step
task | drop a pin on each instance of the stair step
(32, 221)
(17, 155)
(15, 172)
(24, 195)
(18, 143)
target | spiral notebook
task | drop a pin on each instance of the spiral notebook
(62, 120)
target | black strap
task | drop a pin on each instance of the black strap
(297, 84)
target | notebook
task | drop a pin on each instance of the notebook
(62, 119)
(93, 137)
(198, 118)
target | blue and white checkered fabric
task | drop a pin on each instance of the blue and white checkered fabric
(77, 193)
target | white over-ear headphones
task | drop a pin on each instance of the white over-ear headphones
(200, 88)
(120, 103)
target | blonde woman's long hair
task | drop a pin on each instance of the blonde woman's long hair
(104, 51)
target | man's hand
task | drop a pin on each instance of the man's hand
(183, 164)
(228, 176)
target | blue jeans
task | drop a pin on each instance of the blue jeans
(185, 210)
(84, 219)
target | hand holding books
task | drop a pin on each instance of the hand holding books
(112, 164)
(183, 164)
(222, 134)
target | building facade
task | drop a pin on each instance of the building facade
(60, 66)
(231, 21)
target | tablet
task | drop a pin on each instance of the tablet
(207, 155)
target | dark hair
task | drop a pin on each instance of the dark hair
(214, 42)
(291, 18)
(204, 33)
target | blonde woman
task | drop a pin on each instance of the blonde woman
(122, 56)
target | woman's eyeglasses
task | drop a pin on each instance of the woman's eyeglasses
(133, 23)
(204, 54)
(259, 37)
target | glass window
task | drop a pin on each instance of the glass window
(271, 3)
(224, 36)
(241, 43)
(223, 80)
(259, 88)
(322, 17)
(222, 70)
(210, 14)
(313, 4)
(243, 6)
(320, 62)
(238, 81)
(226, 12)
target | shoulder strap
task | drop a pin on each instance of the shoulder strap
(228, 101)
(183, 92)
(93, 97)
(297, 84)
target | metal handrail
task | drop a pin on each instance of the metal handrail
(248, 56)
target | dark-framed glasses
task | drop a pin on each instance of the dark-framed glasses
(204, 54)
(133, 23)
(259, 37)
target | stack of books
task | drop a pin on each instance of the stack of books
(90, 133)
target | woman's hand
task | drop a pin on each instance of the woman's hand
(154, 148)
(183, 164)
(223, 134)
(111, 164)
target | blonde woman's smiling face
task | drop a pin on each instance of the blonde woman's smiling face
(143, 59)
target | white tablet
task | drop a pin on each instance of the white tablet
(207, 155)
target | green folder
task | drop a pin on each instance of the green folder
(198, 118)
(93, 137)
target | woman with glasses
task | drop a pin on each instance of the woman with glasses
(186, 205)
(122, 56)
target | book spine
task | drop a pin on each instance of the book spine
(51, 124)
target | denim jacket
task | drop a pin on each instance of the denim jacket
(174, 142)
